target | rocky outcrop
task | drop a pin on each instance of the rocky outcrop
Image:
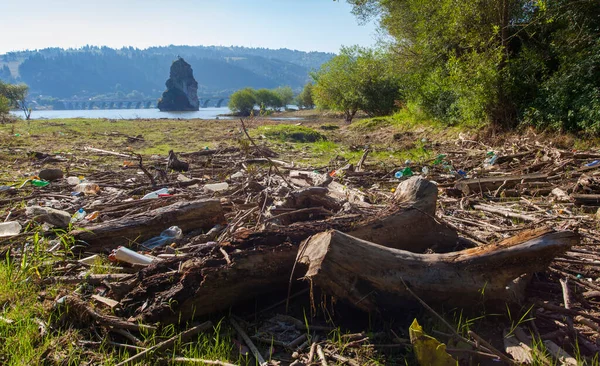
(182, 89)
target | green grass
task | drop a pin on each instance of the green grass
(290, 133)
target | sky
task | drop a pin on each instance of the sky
(306, 25)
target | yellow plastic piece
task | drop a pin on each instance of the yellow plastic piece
(429, 351)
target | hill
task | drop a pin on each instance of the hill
(130, 72)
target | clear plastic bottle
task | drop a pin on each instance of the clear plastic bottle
(9, 228)
(216, 187)
(79, 215)
(167, 236)
(156, 194)
(129, 256)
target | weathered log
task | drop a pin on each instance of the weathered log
(411, 214)
(586, 199)
(476, 185)
(370, 275)
(199, 214)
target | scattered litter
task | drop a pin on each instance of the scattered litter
(166, 237)
(9, 228)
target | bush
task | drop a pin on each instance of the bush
(242, 102)
(291, 133)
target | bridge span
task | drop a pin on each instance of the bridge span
(205, 102)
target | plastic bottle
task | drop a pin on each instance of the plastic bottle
(9, 228)
(87, 188)
(593, 163)
(167, 236)
(156, 194)
(439, 159)
(79, 215)
(216, 187)
(73, 181)
(39, 182)
(129, 256)
(425, 170)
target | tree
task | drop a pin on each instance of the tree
(504, 61)
(242, 102)
(267, 98)
(14, 96)
(356, 79)
(285, 94)
(305, 98)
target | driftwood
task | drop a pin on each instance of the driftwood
(200, 214)
(370, 275)
(259, 262)
(469, 186)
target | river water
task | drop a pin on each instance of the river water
(203, 113)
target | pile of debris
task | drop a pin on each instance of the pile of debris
(193, 237)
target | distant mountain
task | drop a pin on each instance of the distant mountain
(129, 72)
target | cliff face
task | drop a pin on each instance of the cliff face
(182, 89)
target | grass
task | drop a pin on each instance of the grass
(290, 133)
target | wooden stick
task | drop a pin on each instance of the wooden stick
(200, 360)
(500, 355)
(362, 159)
(567, 303)
(169, 342)
(321, 355)
(313, 348)
(505, 213)
(248, 341)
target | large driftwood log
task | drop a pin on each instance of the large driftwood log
(199, 214)
(262, 261)
(370, 275)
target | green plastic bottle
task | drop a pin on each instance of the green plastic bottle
(39, 182)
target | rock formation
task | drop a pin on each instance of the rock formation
(182, 89)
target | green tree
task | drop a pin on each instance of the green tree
(305, 98)
(285, 95)
(242, 102)
(14, 96)
(504, 61)
(267, 98)
(356, 79)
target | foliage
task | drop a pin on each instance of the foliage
(242, 101)
(305, 98)
(291, 133)
(266, 98)
(4, 105)
(285, 95)
(356, 79)
(502, 61)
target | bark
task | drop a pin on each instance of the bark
(199, 214)
(370, 276)
(469, 186)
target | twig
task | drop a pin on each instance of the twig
(301, 210)
(505, 213)
(362, 159)
(502, 356)
(152, 181)
(321, 355)
(567, 303)
(259, 358)
(200, 360)
(313, 348)
(169, 342)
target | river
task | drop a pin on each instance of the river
(203, 113)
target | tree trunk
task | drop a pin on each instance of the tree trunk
(200, 214)
(370, 276)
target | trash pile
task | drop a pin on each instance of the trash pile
(163, 241)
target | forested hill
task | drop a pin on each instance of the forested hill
(97, 71)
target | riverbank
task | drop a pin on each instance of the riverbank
(321, 146)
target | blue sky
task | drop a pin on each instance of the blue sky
(308, 25)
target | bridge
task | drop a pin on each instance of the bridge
(205, 102)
